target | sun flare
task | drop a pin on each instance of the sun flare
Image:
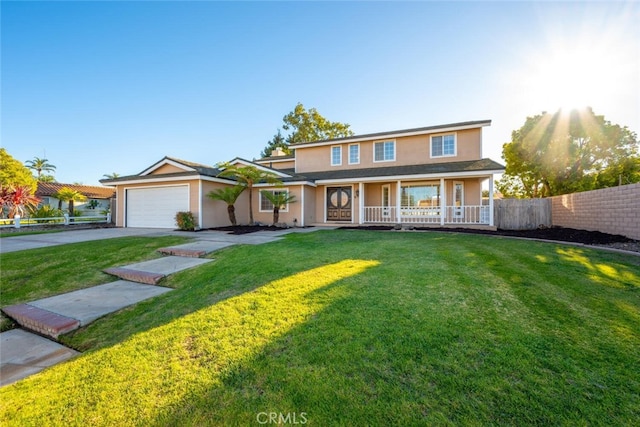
(576, 71)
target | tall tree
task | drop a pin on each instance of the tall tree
(40, 165)
(248, 176)
(565, 152)
(13, 173)
(229, 195)
(276, 142)
(305, 126)
(111, 175)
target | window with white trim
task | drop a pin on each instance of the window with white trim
(443, 145)
(354, 154)
(267, 206)
(336, 155)
(384, 151)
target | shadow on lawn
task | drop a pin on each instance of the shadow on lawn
(413, 354)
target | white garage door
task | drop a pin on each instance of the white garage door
(156, 207)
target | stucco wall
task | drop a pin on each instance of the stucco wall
(410, 150)
(614, 210)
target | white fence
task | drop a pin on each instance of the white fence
(19, 222)
(478, 215)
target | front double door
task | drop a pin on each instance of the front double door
(339, 204)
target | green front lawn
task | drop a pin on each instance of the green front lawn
(40, 273)
(361, 328)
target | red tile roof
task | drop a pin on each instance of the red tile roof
(47, 189)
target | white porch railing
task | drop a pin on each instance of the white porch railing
(476, 215)
(18, 222)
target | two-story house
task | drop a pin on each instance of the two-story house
(424, 176)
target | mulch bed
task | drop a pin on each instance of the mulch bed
(246, 229)
(560, 234)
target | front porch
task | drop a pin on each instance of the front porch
(456, 201)
(449, 215)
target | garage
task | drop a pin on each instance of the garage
(155, 207)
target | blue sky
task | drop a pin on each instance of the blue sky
(102, 87)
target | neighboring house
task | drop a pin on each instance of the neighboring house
(425, 176)
(98, 198)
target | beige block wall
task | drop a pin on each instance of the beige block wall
(614, 210)
(410, 150)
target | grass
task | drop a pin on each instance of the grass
(362, 328)
(40, 273)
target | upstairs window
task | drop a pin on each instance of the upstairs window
(354, 154)
(336, 155)
(443, 145)
(384, 151)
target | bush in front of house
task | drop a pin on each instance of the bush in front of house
(185, 221)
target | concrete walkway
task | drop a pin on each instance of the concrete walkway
(23, 353)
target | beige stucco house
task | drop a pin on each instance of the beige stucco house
(425, 176)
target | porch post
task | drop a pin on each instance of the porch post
(302, 211)
(491, 200)
(443, 202)
(361, 203)
(398, 201)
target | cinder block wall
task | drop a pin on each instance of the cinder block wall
(614, 210)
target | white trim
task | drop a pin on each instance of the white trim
(443, 201)
(339, 147)
(161, 178)
(302, 211)
(360, 203)
(349, 154)
(393, 135)
(411, 177)
(164, 162)
(455, 145)
(200, 204)
(383, 141)
(490, 200)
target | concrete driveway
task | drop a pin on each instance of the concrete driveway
(13, 243)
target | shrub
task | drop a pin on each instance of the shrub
(185, 221)
(47, 211)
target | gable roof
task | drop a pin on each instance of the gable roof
(48, 189)
(182, 164)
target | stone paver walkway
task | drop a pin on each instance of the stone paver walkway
(23, 353)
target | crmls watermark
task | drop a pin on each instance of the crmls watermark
(280, 418)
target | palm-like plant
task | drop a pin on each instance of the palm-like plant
(40, 165)
(16, 199)
(278, 199)
(69, 195)
(113, 175)
(248, 176)
(229, 195)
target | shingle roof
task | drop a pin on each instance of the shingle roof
(46, 189)
(483, 165)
